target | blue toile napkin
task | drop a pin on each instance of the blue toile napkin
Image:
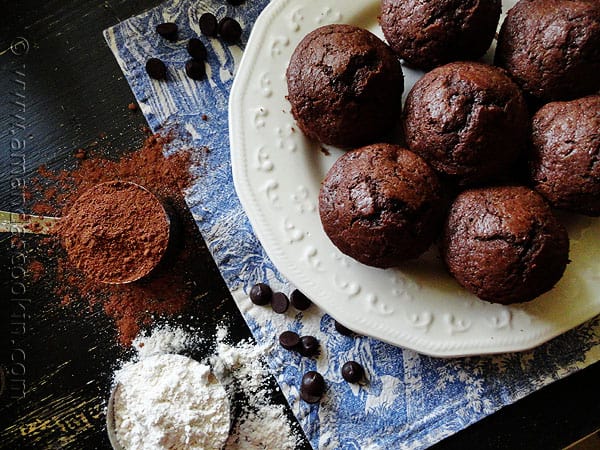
(410, 400)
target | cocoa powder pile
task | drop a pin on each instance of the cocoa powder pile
(116, 232)
(166, 291)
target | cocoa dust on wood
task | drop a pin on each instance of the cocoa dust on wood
(170, 288)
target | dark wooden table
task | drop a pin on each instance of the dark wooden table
(62, 90)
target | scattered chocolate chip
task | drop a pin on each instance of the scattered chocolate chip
(342, 329)
(235, 2)
(309, 346)
(279, 302)
(132, 107)
(261, 294)
(196, 49)
(353, 372)
(195, 69)
(299, 300)
(312, 387)
(289, 340)
(204, 117)
(156, 69)
(209, 25)
(230, 30)
(168, 30)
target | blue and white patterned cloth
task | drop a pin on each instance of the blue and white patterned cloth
(410, 400)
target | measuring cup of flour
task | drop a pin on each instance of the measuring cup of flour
(167, 401)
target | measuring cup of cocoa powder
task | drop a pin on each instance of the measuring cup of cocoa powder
(116, 232)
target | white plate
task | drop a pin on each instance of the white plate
(277, 173)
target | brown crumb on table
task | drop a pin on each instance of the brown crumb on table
(37, 270)
(34, 227)
(80, 153)
(16, 242)
(132, 107)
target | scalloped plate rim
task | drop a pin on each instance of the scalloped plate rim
(275, 248)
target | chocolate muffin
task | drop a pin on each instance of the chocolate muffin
(551, 48)
(565, 166)
(429, 33)
(381, 205)
(503, 244)
(345, 86)
(467, 119)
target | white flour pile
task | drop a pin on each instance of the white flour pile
(164, 339)
(170, 402)
(262, 425)
(157, 386)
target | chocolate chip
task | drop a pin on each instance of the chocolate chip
(342, 329)
(312, 387)
(209, 25)
(289, 340)
(168, 30)
(261, 294)
(235, 2)
(299, 300)
(353, 372)
(196, 49)
(230, 30)
(279, 302)
(156, 69)
(309, 346)
(195, 69)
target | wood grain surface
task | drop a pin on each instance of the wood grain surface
(62, 90)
